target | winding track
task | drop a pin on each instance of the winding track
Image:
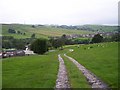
(93, 80)
(62, 81)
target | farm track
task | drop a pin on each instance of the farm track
(93, 80)
(62, 81)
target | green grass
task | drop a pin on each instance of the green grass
(39, 71)
(76, 78)
(44, 31)
(102, 61)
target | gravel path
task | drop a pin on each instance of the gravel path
(62, 81)
(93, 80)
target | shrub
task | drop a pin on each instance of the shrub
(11, 31)
(39, 46)
(97, 38)
(33, 35)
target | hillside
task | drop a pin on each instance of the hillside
(100, 28)
(40, 31)
(94, 28)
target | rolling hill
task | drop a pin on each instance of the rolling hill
(45, 31)
(100, 28)
(39, 31)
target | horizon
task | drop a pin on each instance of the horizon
(63, 24)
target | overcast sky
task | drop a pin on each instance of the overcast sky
(69, 12)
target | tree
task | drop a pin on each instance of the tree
(24, 33)
(56, 43)
(18, 32)
(11, 42)
(33, 35)
(11, 31)
(97, 38)
(6, 44)
(33, 26)
(64, 39)
(39, 46)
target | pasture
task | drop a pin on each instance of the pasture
(101, 59)
(40, 71)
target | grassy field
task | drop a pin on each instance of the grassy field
(37, 71)
(40, 31)
(101, 59)
(40, 71)
(30, 71)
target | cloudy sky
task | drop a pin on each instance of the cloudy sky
(69, 12)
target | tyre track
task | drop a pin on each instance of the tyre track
(93, 80)
(62, 81)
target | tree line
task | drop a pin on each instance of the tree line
(40, 46)
(11, 42)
